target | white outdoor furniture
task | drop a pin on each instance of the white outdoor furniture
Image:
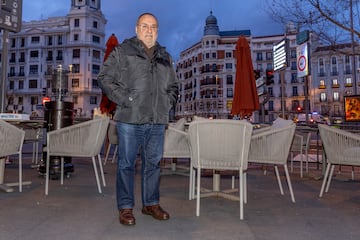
(176, 145)
(272, 146)
(80, 140)
(219, 145)
(341, 148)
(11, 143)
(300, 145)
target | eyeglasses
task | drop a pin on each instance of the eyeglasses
(144, 27)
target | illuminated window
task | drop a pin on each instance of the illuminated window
(336, 96)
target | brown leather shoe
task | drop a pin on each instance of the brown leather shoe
(126, 217)
(156, 212)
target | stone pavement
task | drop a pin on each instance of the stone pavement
(77, 211)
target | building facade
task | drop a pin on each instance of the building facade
(76, 42)
(207, 70)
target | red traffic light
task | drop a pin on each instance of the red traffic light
(269, 77)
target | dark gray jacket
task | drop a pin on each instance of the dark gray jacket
(144, 89)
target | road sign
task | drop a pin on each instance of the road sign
(280, 52)
(260, 81)
(302, 61)
(11, 15)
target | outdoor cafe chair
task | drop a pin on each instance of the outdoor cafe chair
(176, 145)
(80, 140)
(341, 148)
(219, 144)
(272, 146)
(300, 144)
(11, 143)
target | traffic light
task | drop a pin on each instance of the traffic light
(269, 77)
(44, 91)
(299, 109)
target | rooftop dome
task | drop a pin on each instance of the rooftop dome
(211, 27)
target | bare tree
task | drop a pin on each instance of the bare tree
(335, 21)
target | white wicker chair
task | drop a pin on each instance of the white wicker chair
(341, 148)
(113, 140)
(219, 145)
(80, 140)
(300, 144)
(272, 147)
(11, 143)
(176, 145)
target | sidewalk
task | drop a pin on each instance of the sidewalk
(77, 211)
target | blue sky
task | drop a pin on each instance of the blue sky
(181, 21)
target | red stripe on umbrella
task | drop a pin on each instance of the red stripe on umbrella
(246, 99)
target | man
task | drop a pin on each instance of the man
(139, 77)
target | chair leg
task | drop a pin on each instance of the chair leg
(96, 174)
(20, 172)
(325, 179)
(245, 187)
(47, 174)
(241, 193)
(291, 161)
(62, 171)
(278, 179)
(330, 177)
(289, 183)
(115, 153)
(191, 186)
(101, 170)
(198, 192)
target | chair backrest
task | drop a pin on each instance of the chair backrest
(341, 147)
(11, 139)
(176, 143)
(272, 146)
(220, 144)
(82, 139)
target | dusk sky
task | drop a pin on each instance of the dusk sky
(181, 21)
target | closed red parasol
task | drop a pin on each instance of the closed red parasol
(107, 106)
(246, 99)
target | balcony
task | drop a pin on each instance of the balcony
(322, 86)
(335, 85)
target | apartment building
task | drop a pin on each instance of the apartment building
(76, 42)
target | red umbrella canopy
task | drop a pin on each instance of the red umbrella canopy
(107, 106)
(246, 99)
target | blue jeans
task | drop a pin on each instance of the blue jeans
(149, 139)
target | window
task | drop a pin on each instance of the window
(76, 22)
(34, 69)
(207, 55)
(22, 42)
(35, 39)
(259, 56)
(295, 91)
(93, 100)
(34, 100)
(21, 71)
(21, 84)
(76, 68)
(228, 55)
(293, 53)
(228, 66)
(336, 96)
(322, 82)
(50, 40)
(60, 40)
(59, 55)
(269, 56)
(11, 85)
(322, 97)
(95, 39)
(49, 56)
(229, 79)
(95, 83)
(13, 42)
(348, 81)
(213, 55)
(335, 82)
(33, 83)
(95, 24)
(34, 54)
(76, 53)
(75, 83)
(96, 54)
(10, 101)
(20, 100)
(229, 92)
(76, 37)
(22, 57)
(271, 106)
(95, 69)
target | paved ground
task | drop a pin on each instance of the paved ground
(77, 211)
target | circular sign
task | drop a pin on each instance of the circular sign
(302, 63)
